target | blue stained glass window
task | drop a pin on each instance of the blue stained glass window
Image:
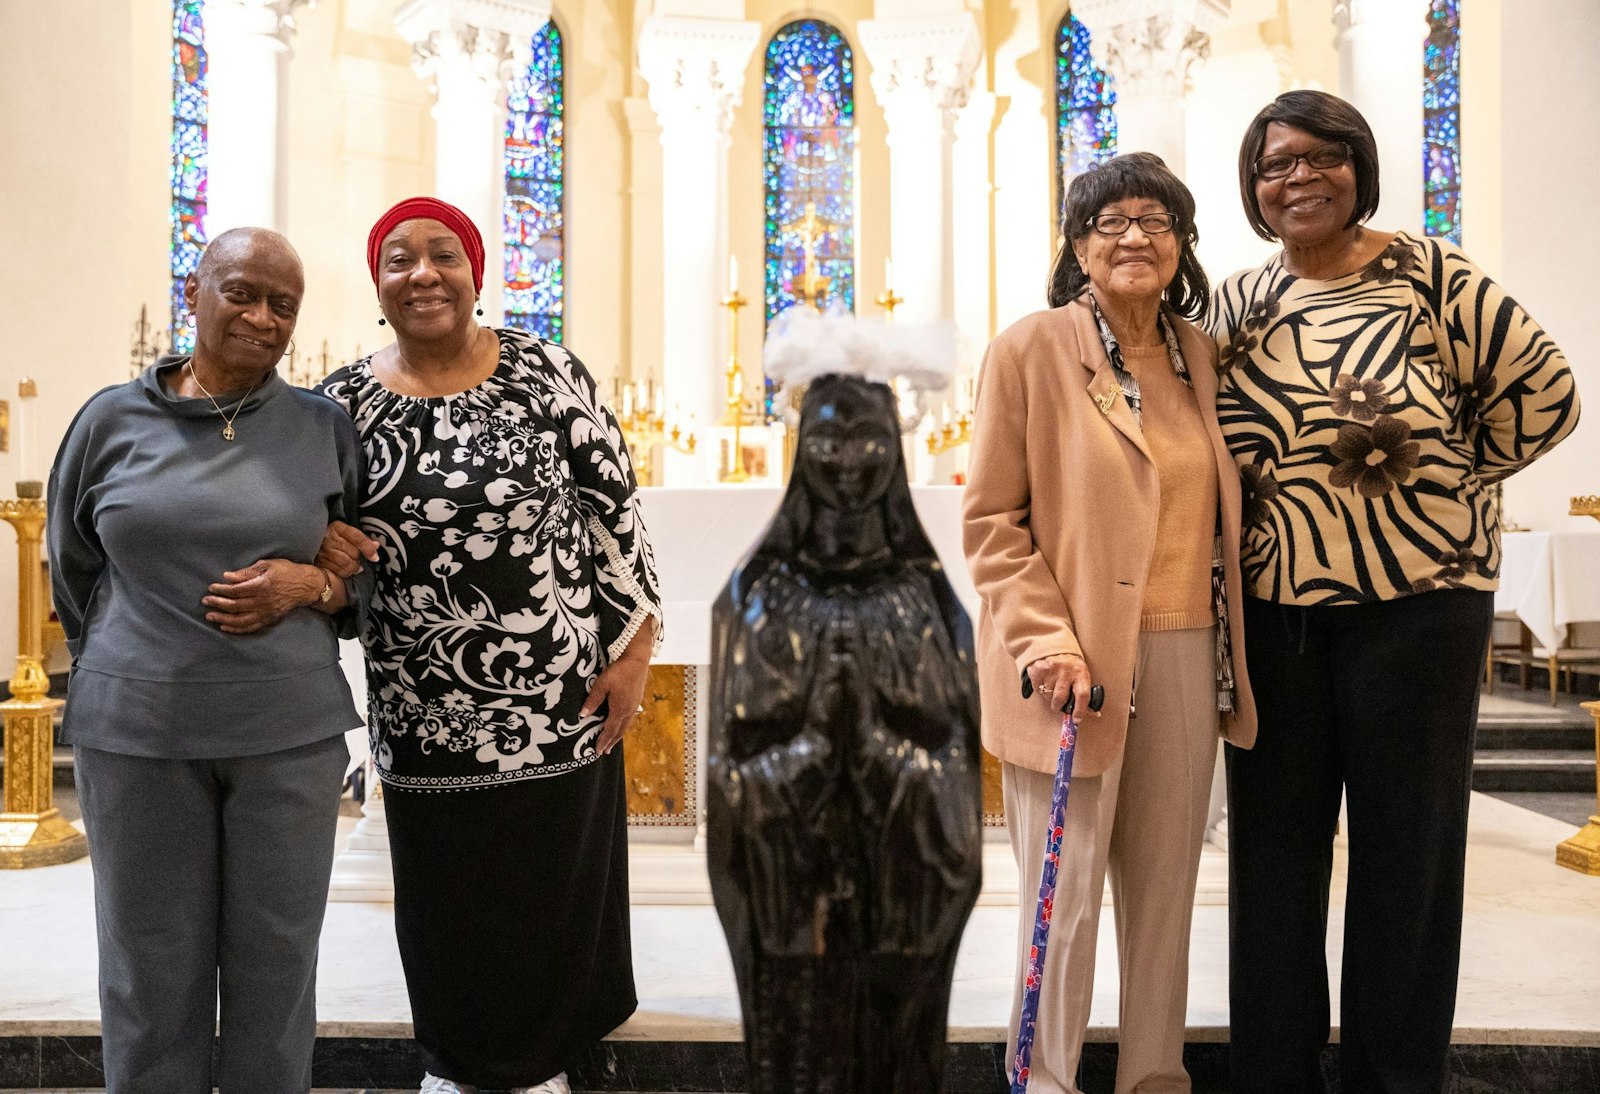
(188, 175)
(1086, 101)
(535, 260)
(1441, 120)
(808, 111)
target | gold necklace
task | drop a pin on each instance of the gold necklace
(227, 419)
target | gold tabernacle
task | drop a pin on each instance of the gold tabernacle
(32, 830)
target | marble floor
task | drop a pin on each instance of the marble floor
(1530, 968)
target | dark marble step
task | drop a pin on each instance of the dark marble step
(373, 1066)
(1564, 770)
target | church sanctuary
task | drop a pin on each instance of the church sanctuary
(657, 183)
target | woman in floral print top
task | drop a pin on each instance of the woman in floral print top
(1375, 385)
(507, 643)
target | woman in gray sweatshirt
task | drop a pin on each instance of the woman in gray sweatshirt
(206, 706)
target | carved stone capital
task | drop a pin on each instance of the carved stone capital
(1150, 47)
(695, 68)
(486, 39)
(272, 19)
(922, 62)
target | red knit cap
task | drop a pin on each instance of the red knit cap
(424, 208)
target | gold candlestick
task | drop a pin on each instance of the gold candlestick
(32, 830)
(145, 345)
(1582, 851)
(733, 378)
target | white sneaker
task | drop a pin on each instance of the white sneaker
(432, 1084)
(557, 1085)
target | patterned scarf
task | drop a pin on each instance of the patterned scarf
(1130, 391)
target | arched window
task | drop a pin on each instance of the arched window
(809, 115)
(1086, 100)
(188, 211)
(1441, 120)
(535, 264)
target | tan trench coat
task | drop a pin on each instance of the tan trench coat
(1059, 529)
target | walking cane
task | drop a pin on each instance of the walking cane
(1021, 1064)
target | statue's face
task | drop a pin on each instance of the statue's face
(848, 443)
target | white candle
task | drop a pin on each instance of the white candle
(888, 274)
(26, 389)
(733, 274)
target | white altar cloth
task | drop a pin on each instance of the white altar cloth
(701, 533)
(1550, 580)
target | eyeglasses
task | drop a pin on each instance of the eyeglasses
(1114, 224)
(1322, 158)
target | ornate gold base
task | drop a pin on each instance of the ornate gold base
(1582, 851)
(38, 839)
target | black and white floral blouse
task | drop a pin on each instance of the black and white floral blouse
(513, 568)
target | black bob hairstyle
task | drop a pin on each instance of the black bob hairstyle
(1322, 115)
(1132, 175)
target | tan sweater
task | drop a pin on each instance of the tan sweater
(1177, 594)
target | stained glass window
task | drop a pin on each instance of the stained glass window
(535, 262)
(809, 113)
(1086, 101)
(188, 213)
(1441, 120)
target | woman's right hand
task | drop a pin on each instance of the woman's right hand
(343, 548)
(1060, 675)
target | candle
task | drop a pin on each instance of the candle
(733, 274)
(888, 274)
(627, 401)
(656, 404)
(26, 390)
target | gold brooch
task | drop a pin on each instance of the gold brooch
(1107, 401)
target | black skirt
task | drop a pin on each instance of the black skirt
(511, 910)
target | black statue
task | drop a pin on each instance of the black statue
(843, 773)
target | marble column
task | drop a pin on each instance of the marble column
(467, 50)
(247, 51)
(695, 69)
(922, 70)
(1150, 48)
(1380, 74)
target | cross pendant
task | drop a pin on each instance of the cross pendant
(227, 432)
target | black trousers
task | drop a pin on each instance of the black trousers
(1379, 701)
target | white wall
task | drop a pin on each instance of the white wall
(1550, 167)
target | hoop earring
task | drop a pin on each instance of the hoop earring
(291, 347)
(382, 322)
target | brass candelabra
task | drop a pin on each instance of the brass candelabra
(32, 830)
(1582, 851)
(734, 407)
(956, 431)
(145, 344)
(640, 414)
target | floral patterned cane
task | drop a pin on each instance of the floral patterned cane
(1021, 1063)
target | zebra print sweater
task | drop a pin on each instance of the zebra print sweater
(1370, 414)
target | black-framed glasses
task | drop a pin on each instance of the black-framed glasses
(1151, 224)
(1324, 157)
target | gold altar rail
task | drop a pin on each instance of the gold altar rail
(32, 830)
(1582, 851)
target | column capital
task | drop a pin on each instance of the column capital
(928, 58)
(695, 67)
(489, 39)
(264, 18)
(1150, 47)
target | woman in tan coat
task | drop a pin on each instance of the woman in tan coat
(1102, 531)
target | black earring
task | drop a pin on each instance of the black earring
(382, 322)
(480, 309)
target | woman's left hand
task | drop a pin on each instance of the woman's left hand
(621, 687)
(261, 594)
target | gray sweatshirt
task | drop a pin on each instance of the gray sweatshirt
(148, 505)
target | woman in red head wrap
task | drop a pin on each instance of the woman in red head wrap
(507, 644)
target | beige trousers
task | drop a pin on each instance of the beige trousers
(1144, 819)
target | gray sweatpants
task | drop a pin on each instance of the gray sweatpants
(210, 878)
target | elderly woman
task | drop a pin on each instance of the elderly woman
(510, 632)
(1102, 516)
(206, 707)
(1375, 386)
